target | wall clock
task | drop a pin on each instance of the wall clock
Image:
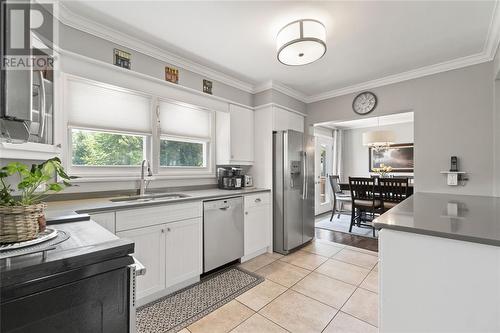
(364, 103)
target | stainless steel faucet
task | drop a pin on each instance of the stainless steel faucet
(144, 182)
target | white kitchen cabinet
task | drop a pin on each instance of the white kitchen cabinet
(234, 136)
(257, 223)
(106, 220)
(183, 251)
(284, 120)
(150, 251)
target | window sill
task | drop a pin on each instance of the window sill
(102, 178)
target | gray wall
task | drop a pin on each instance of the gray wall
(97, 48)
(496, 125)
(355, 155)
(274, 96)
(453, 116)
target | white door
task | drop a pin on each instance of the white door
(183, 250)
(257, 220)
(150, 251)
(241, 133)
(322, 168)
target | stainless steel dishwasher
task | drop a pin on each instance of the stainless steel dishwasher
(222, 232)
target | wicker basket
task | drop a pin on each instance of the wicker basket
(20, 223)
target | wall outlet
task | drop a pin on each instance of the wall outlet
(453, 179)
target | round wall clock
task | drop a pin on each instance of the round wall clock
(364, 103)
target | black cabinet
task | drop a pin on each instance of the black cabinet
(98, 303)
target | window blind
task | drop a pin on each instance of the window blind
(105, 107)
(184, 121)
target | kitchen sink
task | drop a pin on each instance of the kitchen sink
(151, 197)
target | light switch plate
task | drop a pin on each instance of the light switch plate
(452, 179)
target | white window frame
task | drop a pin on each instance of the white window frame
(179, 171)
(152, 147)
(90, 171)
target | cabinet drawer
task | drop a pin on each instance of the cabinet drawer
(142, 217)
(258, 199)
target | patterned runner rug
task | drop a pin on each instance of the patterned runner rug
(182, 308)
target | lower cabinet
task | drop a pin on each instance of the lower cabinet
(171, 253)
(150, 251)
(257, 224)
(183, 250)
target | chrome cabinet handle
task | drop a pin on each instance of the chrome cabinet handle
(42, 112)
(162, 231)
(246, 213)
(225, 208)
(258, 200)
(168, 229)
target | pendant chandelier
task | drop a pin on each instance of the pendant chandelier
(301, 42)
(379, 139)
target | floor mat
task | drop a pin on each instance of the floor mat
(182, 308)
(342, 224)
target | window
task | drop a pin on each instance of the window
(185, 138)
(183, 153)
(98, 149)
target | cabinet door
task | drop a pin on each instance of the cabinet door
(183, 250)
(285, 120)
(257, 220)
(150, 251)
(106, 220)
(241, 133)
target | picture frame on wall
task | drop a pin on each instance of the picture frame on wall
(122, 58)
(171, 74)
(207, 86)
(398, 156)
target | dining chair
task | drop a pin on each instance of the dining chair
(339, 197)
(364, 202)
(392, 191)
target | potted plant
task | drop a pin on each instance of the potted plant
(383, 170)
(22, 216)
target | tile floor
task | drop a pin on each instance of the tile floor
(324, 287)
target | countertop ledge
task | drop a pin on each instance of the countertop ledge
(468, 218)
(96, 205)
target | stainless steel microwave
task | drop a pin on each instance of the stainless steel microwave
(26, 96)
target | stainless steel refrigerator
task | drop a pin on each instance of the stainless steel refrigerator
(293, 190)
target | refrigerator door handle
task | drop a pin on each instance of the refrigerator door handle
(42, 111)
(304, 172)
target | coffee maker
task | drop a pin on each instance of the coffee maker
(230, 178)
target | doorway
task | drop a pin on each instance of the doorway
(322, 168)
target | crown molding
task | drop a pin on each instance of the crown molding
(282, 88)
(263, 106)
(488, 53)
(78, 22)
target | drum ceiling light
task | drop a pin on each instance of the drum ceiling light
(301, 42)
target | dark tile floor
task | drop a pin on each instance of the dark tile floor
(351, 240)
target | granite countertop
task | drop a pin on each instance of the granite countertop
(105, 204)
(462, 217)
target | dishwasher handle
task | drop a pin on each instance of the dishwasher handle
(225, 207)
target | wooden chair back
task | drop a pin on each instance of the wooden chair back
(335, 183)
(362, 188)
(393, 189)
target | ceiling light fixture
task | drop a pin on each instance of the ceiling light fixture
(301, 42)
(379, 139)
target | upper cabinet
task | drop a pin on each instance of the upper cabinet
(234, 138)
(285, 120)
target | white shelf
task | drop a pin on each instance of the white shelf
(28, 151)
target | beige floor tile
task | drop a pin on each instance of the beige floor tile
(344, 323)
(343, 271)
(274, 255)
(184, 330)
(304, 259)
(258, 324)
(325, 289)
(373, 253)
(224, 319)
(260, 295)
(363, 305)
(371, 282)
(356, 258)
(258, 262)
(322, 249)
(376, 268)
(329, 242)
(281, 272)
(298, 313)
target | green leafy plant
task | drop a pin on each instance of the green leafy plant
(30, 179)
